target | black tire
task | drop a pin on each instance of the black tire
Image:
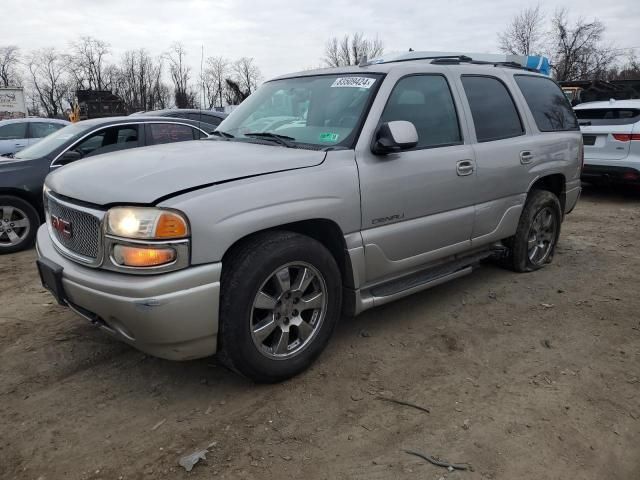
(518, 257)
(30, 215)
(245, 273)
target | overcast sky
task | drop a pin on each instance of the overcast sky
(285, 35)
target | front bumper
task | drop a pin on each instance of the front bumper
(170, 315)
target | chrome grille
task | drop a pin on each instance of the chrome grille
(84, 239)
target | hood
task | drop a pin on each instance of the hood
(144, 175)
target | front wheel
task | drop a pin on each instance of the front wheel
(280, 301)
(534, 243)
(19, 222)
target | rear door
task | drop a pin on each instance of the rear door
(607, 132)
(504, 154)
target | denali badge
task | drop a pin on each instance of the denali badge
(63, 227)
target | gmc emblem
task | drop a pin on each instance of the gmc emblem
(63, 227)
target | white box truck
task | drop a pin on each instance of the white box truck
(12, 103)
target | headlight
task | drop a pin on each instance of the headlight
(146, 223)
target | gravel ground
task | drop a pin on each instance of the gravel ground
(526, 376)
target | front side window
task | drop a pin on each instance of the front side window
(42, 129)
(494, 114)
(320, 110)
(425, 101)
(169, 133)
(13, 131)
(549, 106)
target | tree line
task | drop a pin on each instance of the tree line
(143, 81)
(576, 47)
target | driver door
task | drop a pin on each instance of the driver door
(418, 205)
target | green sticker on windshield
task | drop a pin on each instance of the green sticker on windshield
(329, 137)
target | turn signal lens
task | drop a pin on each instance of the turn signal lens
(170, 225)
(143, 257)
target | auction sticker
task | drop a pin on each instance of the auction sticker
(329, 137)
(357, 82)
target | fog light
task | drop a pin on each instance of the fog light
(143, 256)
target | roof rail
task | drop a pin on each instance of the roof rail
(446, 61)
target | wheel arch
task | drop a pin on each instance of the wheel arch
(554, 183)
(325, 231)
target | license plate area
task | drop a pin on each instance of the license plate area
(51, 278)
(589, 140)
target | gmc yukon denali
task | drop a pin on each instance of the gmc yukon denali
(325, 193)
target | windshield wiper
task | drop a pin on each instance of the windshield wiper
(222, 134)
(284, 140)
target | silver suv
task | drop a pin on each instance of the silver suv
(325, 192)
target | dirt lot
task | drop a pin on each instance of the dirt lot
(532, 376)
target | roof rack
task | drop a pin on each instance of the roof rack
(529, 63)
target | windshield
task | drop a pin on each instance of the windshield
(324, 110)
(51, 142)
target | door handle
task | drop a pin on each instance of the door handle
(526, 157)
(464, 168)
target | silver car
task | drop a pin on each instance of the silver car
(611, 132)
(20, 133)
(324, 193)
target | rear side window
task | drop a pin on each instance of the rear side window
(13, 131)
(169, 133)
(494, 114)
(608, 116)
(425, 101)
(549, 106)
(42, 129)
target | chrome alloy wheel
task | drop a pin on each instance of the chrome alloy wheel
(542, 236)
(14, 226)
(288, 310)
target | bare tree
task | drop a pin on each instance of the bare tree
(246, 74)
(215, 73)
(629, 70)
(139, 81)
(350, 50)
(88, 64)
(180, 74)
(9, 63)
(577, 49)
(49, 80)
(524, 35)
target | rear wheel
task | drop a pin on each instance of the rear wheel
(280, 301)
(534, 243)
(19, 222)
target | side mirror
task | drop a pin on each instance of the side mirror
(68, 157)
(395, 136)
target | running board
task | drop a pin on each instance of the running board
(416, 282)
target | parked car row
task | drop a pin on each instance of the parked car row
(22, 176)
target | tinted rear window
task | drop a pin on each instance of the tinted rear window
(549, 106)
(608, 116)
(494, 114)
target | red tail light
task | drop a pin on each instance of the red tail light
(626, 137)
